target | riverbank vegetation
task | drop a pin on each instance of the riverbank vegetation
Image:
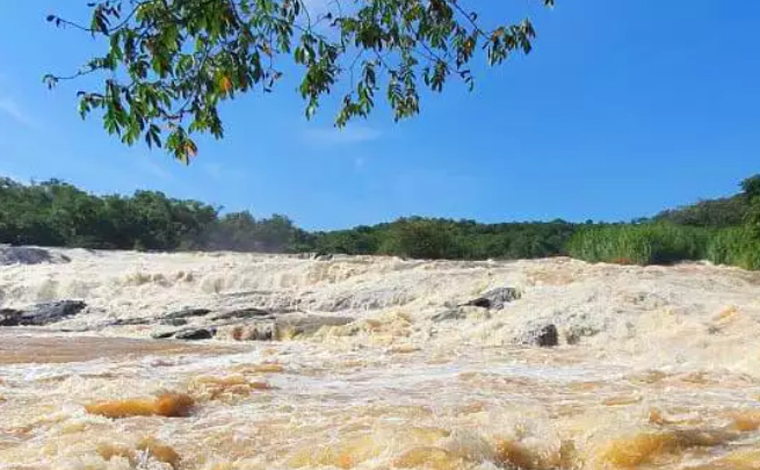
(54, 213)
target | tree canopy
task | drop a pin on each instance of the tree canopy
(55, 213)
(168, 64)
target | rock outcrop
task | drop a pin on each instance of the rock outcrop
(495, 299)
(41, 314)
(10, 255)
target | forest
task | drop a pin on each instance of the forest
(55, 213)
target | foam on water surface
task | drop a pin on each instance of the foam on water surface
(661, 372)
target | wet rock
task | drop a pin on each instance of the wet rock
(495, 299)
(188, 334)
(41, 314)
(10, 317)
(129, 322)
(547, 336)
(10, 255)
(186, 313)
(451, 314)
(244, 314)
(194, 334)
(173, 321)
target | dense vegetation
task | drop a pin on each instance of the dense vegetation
(54, 213)
(724, 231)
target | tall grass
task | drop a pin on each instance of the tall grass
(644, 244)
(734, 246)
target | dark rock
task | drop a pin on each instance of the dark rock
(173, 321)
(243, 314)
(193, 334)
(187, 313)
(10, 317)
(10, 255)
(129, 322)
(41, 314)
(496, 298)
(547, 336)
(188, 334)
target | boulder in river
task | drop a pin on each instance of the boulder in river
(41, 314)
(547, 336)
(193, 334)
(495, 299)
(10, 255)
(188, 334)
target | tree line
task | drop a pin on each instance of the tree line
(55, 213)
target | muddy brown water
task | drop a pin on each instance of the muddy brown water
(664, 374)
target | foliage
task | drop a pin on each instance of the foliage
(240, 231)
(723, 212)
(54, 213)
(751, 196)
(418, 237)
(736, 247)
(169, 63)
(659, 243)
(421, 238)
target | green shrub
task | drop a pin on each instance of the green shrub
(421, 239)
(736, 247)
(639, 244)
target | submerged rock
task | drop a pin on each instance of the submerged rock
(451, 314)
(170, 405)
(495, 299)
(576, 333)
(10, 255)
(187, 334)
(129, 322)
(41, 314)
(461, 313)
(193, 334)
(243, 314)
(186, 313)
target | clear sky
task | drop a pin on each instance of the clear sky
(625, 107)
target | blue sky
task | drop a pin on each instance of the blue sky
(623, 108)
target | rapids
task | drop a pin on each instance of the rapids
(657, 367)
